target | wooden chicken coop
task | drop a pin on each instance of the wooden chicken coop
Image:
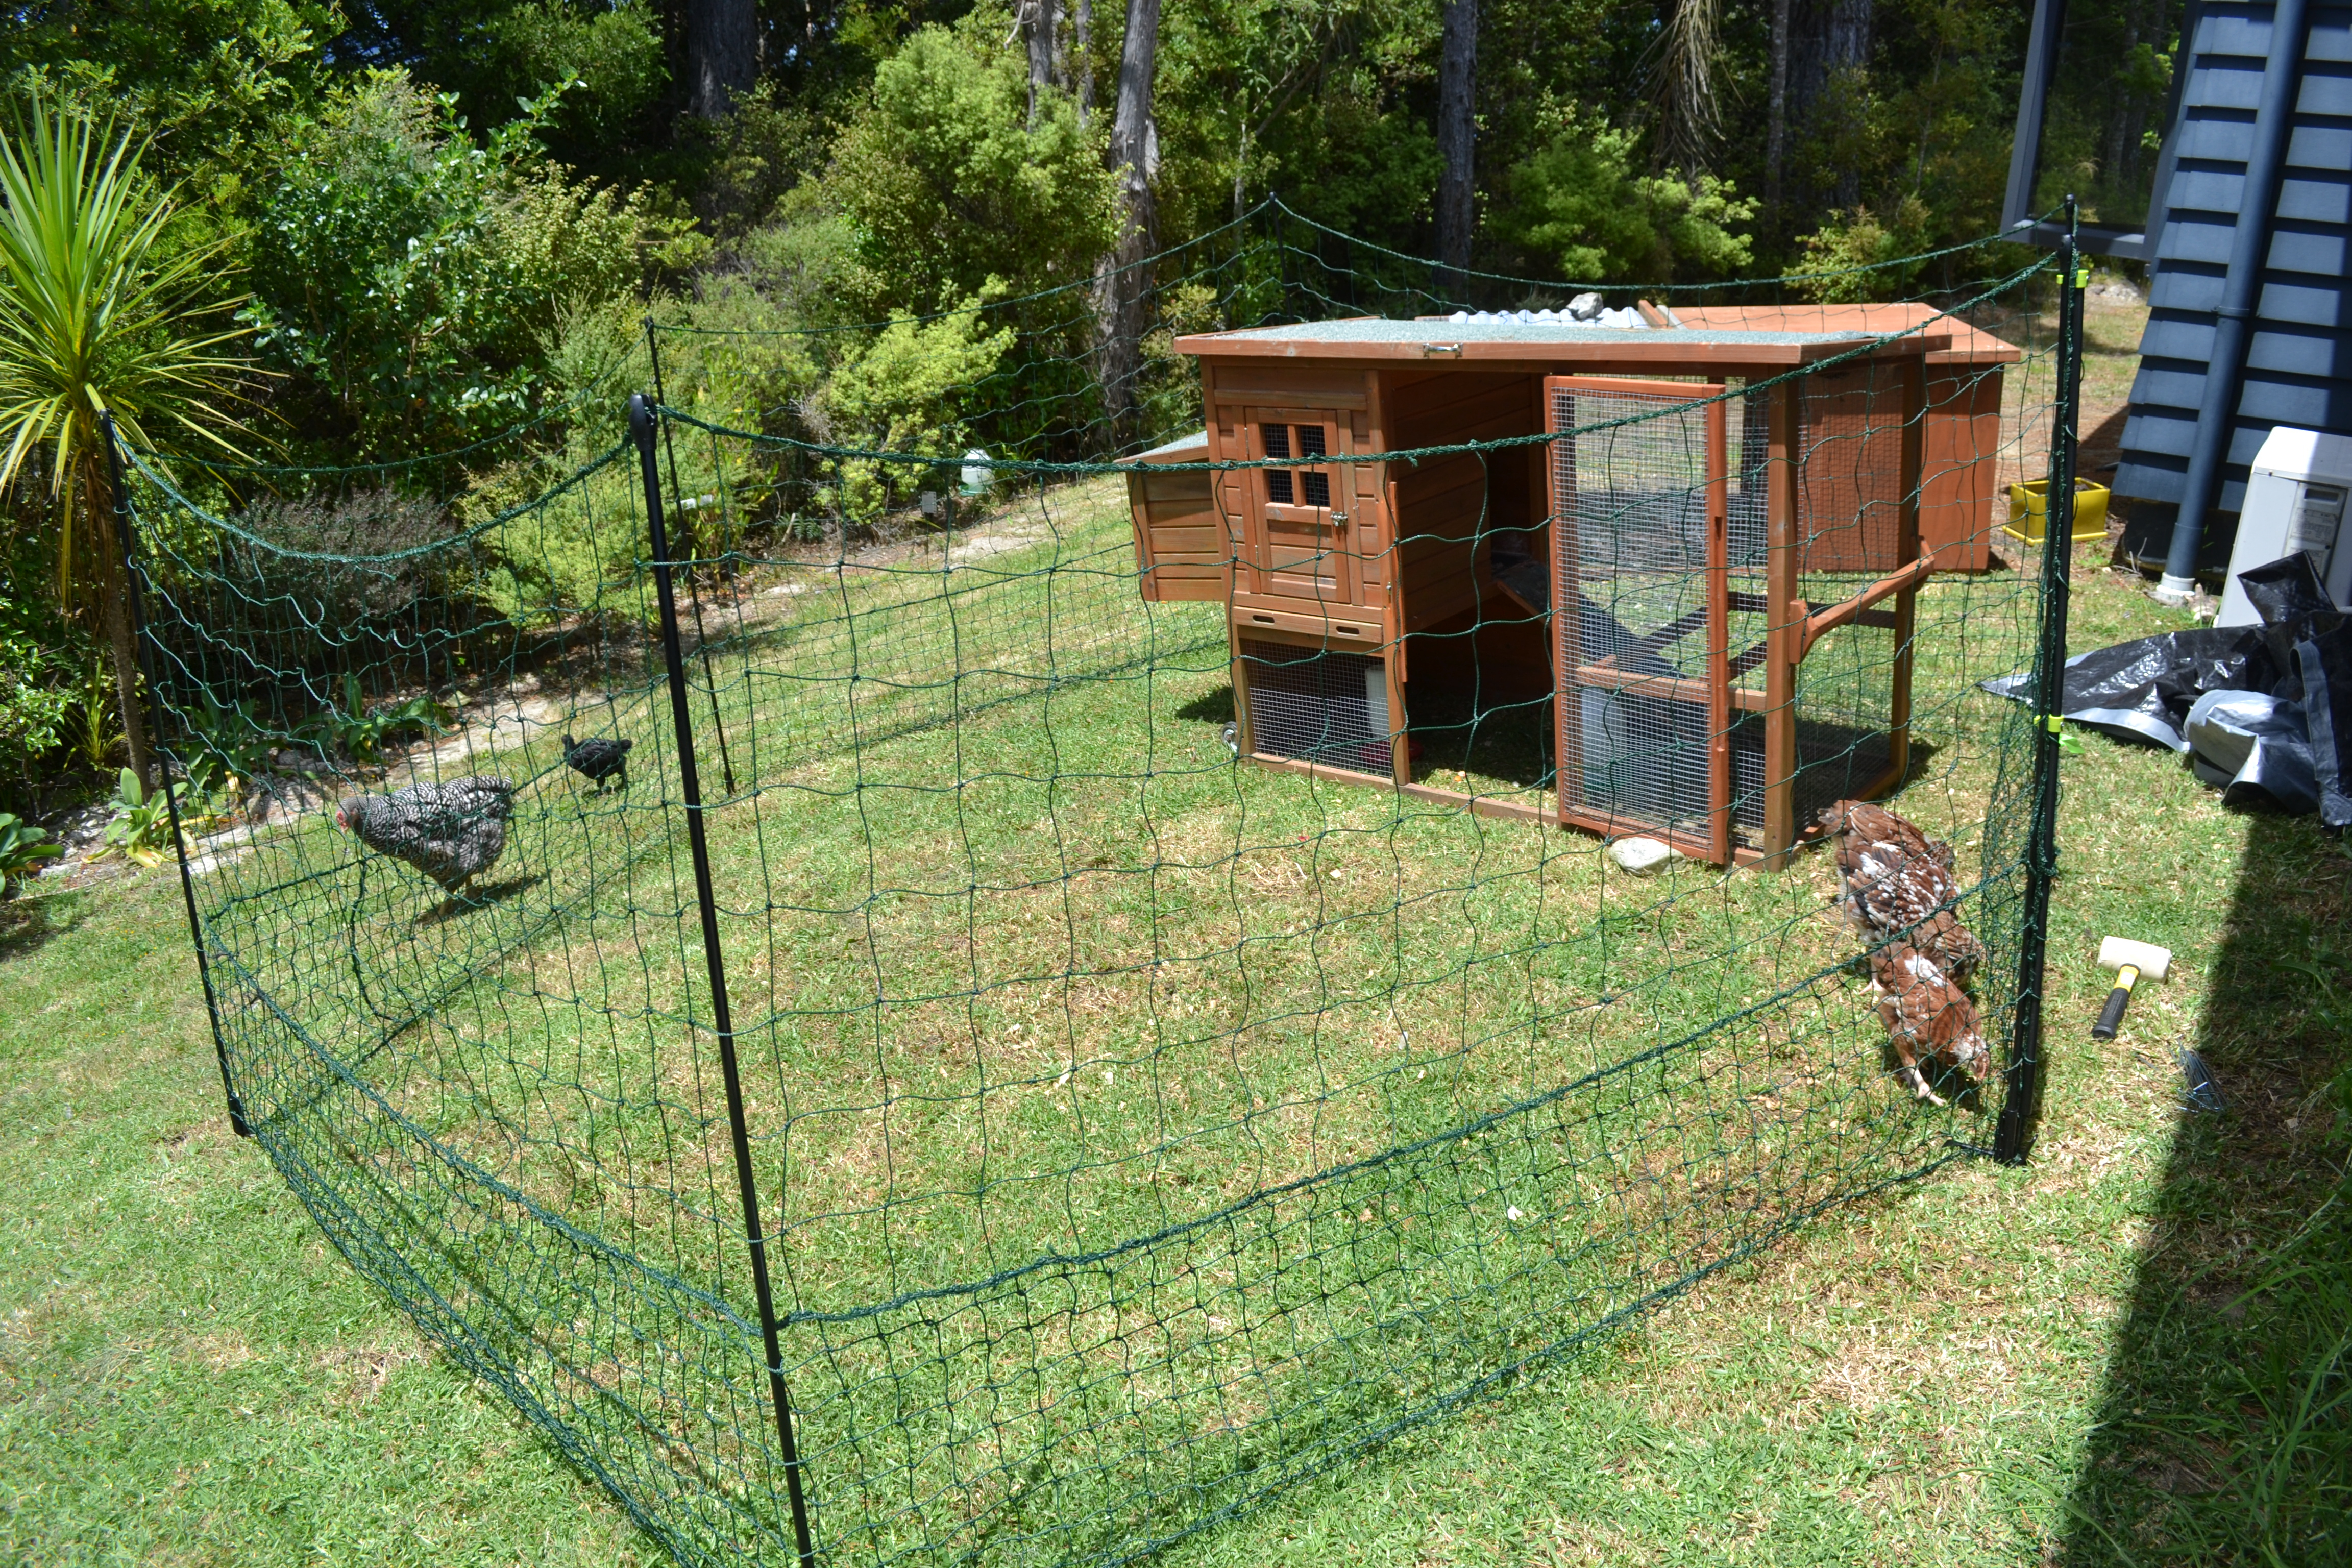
(1710, 588)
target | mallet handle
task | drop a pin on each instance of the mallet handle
(2112, 1016)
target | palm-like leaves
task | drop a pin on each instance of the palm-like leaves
(95, 320)
(1689, 95)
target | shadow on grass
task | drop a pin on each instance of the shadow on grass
(456, 905)
(1211, 706)
(27, 924)
(2225, 1431)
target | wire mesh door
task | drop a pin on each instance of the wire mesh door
(1641, 608)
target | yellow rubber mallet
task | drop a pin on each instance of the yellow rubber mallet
(2132, 961)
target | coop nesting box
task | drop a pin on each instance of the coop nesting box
(1707, 571)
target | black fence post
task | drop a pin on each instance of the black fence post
(693, 592)
(641, 429)
(126, 536)
(2021, 1109)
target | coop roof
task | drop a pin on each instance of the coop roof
(1192, 449)
(1557, 343)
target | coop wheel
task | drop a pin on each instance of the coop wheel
(1233, 739)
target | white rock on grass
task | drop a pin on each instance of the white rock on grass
(1642, 857)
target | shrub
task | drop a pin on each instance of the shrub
(407, 276)
(1580, 205)
(34, 696)
(1863, 240)
(903, 393)
(358, 524)
(948, 184)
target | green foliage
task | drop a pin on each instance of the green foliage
(612, 55)
(1581, 205)
(35, 701)
(95, 317)
(404, 275)
(23, 849)
(230, 737)
(362, 732)
(212, 80)
(766, 148)
(949, 188)
(1329, 104)
(566, 550)
(92, 718)
(1168, 387)
(904, 393)
(1836, 253)
(141, 828)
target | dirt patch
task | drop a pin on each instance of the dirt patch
(365, 1369)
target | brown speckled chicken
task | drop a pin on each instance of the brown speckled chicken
(1926, 1016)
(453, 831)
(1898, 881)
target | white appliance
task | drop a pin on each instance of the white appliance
(2295, 500)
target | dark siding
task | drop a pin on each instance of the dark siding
(2299, 367)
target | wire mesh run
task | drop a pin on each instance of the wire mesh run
(1129, 1130)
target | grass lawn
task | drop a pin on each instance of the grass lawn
(2122, 1353)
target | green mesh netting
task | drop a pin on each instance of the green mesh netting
(1123, 1126)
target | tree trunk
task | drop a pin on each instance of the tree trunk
(722, 53)
(1082, 59)
(1845, 49)
(1457, 131)
(1134, 156)
(1775, 126)
(102, 538)
(1038, 20)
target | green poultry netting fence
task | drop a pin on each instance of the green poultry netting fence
(1018, 1068)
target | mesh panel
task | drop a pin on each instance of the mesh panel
(1630, 531)
(1321, 706)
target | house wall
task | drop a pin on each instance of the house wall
(2299, 363)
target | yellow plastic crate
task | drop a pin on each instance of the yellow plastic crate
(2029, 510)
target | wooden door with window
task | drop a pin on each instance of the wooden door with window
(1304, 548)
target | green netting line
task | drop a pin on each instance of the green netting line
(1274, 206)
(1023, 469)
(1128, 1047)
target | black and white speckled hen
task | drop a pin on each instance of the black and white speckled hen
(1898, 881)
(598, 758)
(452, 831)
(1926, 1016)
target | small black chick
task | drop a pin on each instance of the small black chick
(599, 759)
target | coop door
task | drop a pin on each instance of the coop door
(1640, 606)
(1301, 547)
(1318, 705)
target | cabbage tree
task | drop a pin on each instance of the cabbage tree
(98, 315)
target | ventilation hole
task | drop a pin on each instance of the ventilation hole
(1278, 439)
(1277, 486)
(1318, 488)
(1310, 441)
